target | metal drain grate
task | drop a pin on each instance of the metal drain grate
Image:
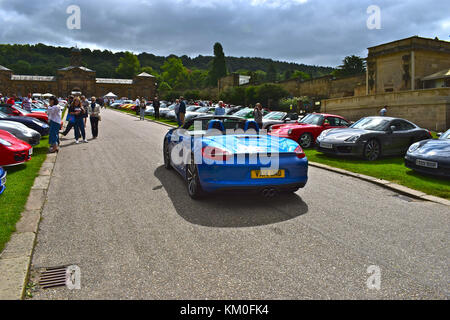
(53, 277)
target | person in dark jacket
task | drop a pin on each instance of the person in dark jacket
(182, 111)
(156, 106)
(77, 110)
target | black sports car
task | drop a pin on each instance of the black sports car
(372, 137)
(430, 156)
(31, 123)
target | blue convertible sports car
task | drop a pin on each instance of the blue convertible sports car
(2, 180)
(219, 153)
(430, 156)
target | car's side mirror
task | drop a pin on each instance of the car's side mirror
(287, 119)
(16, 113)
(326, 125)
(392, 129)
(439, 134)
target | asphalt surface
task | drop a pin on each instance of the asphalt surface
(131, 227)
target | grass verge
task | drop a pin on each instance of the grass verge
(19, 181)
(391, 169)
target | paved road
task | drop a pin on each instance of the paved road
(129, 224)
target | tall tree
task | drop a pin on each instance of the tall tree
(272, 73)
(219, 66)
(352, 65)
(128, 65)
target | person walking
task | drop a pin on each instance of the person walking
(94, 113)
(26, 103)
(85, 104)
(54, 118)
(70, 118)
(77, 110)
(156, 106)
(182, 111)
(383, 111)
(258, 115)
(142, 107)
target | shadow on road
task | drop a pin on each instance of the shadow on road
(229, 210)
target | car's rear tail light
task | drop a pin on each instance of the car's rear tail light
(299, 152)
(216, 154)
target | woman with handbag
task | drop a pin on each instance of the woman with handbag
(94, 113)
(77, 110)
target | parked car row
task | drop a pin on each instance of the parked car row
(371, 138)
(20, 131)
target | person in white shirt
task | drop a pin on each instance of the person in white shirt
(138, 104)
(26, 103)
(54, 118)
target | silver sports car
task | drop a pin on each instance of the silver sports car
(21, 132)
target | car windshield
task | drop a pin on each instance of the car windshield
(275, 116)
(372, 124)
(243, 113)
(313, 119)
(445, 135)
(227, 123)
(192, 108)
(21, 110)
(203, 110)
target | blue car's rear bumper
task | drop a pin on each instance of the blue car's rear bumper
(218, 177)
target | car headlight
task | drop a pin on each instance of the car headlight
(414, 147)
(290, 131)
(353, 139)
(323, 134)
(5, 143)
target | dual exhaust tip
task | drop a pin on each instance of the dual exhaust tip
(269, 193)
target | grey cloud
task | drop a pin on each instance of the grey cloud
(318, 32)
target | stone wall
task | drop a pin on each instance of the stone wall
(325, 86)
(427, 108)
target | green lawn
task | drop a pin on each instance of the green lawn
(391, 169)
(19, 181)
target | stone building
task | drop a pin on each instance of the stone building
(411, 76)
(76, 78)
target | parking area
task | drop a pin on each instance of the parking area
(131, 227)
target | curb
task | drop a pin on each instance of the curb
(383, 183)
(15, 260)
(386, 184)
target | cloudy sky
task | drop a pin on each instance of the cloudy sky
(319, 32)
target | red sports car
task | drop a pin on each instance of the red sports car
(12, 150)
(306, 131)
(14, 110)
